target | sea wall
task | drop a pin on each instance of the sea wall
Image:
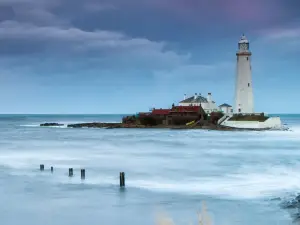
(272, 122)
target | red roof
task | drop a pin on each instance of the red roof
(161, 111)
(186, 109)
(175, 109)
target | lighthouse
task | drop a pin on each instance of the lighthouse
(243, 89)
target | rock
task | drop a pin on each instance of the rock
(130, 124)
(293, 207)
(51, 125)
(129, 120)
(290, 204)
(95, 125)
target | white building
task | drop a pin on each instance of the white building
(206, 103)
(225, 108)
(243, 89)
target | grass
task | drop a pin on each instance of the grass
(203, 218)
(249, 117)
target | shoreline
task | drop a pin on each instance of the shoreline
(137, 126)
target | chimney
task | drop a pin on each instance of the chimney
(195, 97)
(184, 97)
(209, 98)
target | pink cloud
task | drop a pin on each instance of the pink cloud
(232, 10)
(281, 34)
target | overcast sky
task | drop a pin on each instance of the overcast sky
(124, 56)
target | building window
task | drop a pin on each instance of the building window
(239, 110)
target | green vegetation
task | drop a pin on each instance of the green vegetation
(249, 117)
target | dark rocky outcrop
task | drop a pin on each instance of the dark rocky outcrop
(291, 203)
(205, 125)
(51, 125)
(134, 122)
(129, 119)
(293, 207)
(95, 125)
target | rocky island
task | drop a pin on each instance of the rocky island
(178, 117)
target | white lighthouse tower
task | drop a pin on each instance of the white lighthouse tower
(244, 97)
(243, 90)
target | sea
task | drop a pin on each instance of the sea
(241, 177)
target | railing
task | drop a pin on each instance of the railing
(223, 118)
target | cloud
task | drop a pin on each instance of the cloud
(37, 12)
(99, 7)
(283, 39)
(229, 10)
(60, 39)
(55, 44)
(281, 33)
(189, 73)
(68, 49)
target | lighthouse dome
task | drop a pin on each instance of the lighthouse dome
(243, 39)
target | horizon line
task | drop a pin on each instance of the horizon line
(104, 113)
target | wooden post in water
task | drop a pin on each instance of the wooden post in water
(42, 167)
(82, 174)
(70, 172)
(122, 179)
(51, 169)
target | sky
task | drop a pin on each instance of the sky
(116, 56)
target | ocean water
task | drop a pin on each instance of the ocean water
(243, 177)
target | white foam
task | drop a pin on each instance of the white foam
(30, 125)
(21, 160)
(231, 186)
(38, 125)
(270, 183)
(160, 152)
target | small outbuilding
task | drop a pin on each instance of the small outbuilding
(225, 108)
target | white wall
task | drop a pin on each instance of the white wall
(243, 91)
(226, 109)
(207, 106)
(272, 122)
(186, 104)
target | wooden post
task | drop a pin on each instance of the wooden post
(42, 167)
(70, 172)
(82, 174)
(122, 179)
(51, 169)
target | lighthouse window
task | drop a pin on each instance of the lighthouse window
(247, 58)
(248, 84)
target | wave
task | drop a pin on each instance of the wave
(295, 129)
(232, 186)
(38, 125)
(246, 186)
